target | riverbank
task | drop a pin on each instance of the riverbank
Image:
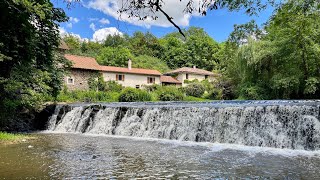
(10, 138)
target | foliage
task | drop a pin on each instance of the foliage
(133, 95)
(169, 93)
(284, 63)
(148, 62)
(113, 86)
(195, 90)
(87, 96)
(96, 83)
(114, 56)
(29, 69)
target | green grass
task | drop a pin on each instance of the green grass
(4, 136)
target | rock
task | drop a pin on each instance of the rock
(30, 146)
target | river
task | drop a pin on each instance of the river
(78, 156)
(172, 140)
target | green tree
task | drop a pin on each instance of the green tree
(29, 67)
(148, 62)
(114, 56)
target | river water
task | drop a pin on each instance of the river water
(87, 156)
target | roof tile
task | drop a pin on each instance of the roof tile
(82, 62)
(192, 71)
(169, 79)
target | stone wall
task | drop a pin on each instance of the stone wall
(80, 79)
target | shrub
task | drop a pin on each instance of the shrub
(214, 94)
(151, 88)
(195, 89)
(92, 96)
(133, 95)
(169, 93)
(96, 83)
(113, 86)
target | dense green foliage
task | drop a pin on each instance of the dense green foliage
(284, 62)
(30, 69)
(133, 95)
(195, 89)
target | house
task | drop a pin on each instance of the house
(189, 74)
(169, 81)
(131, 77)
(82, 69)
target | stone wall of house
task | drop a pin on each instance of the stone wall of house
(80, 79)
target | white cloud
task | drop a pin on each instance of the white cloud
(102, 34)
(93, 19)
(92, 26)
(104, 21)
(69, 25)
(62, 31)
(174, 8)
(73, 20)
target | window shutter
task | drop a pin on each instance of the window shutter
(117, 77)
(148, 79)
(122, 77)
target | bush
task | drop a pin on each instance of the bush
(169, 93)
(133, 95)
(96, 83)
(195, 89)
(151, 88)
(113, 86)
(87, 96)
(214, 94)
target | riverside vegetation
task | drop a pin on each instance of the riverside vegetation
(279, 60)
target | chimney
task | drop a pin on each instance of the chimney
(194, 67)
(129, 64)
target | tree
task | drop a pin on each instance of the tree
(148, 62)
(284, 63)
(30, 68)
(114, 56)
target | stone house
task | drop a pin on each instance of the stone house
(82, 69)
(186, 74)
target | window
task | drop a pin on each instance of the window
(151, 80)
(206, 77)
(137, 86)
(70, 80)
(187, 76)
(120, 77)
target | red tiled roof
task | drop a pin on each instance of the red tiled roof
(82, 62)
(192, 71)
(169, 79)
(131, 71)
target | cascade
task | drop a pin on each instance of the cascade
(278, 124)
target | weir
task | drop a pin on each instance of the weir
(278, 124)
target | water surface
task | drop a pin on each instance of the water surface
(73, 156)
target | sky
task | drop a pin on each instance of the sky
(96, 19)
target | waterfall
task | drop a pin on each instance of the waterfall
(278, 124)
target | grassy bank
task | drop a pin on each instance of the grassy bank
(10, 138)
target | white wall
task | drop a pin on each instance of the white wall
(181, 77)
(130, 80)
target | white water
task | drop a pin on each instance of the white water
(282, 125)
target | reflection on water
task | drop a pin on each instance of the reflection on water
(56, 156)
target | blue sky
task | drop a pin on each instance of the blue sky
(95, 19)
